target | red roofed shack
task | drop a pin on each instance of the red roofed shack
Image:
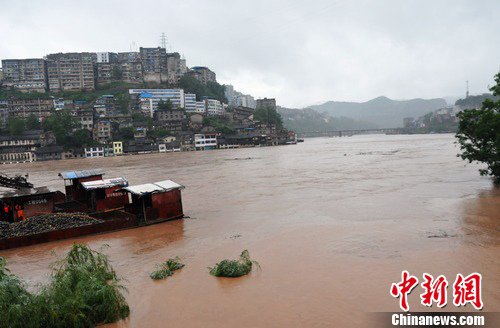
(21, 204)
(73, 183)
(103, 195)
(155, 202)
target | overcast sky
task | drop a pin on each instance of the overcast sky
(300, 52)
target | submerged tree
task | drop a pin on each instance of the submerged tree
(479, 134)
(84, 292)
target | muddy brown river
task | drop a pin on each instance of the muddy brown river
(332, 222)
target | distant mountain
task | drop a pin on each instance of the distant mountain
(310, 120)
(382, 111)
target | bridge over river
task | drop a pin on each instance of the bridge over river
(347, 133)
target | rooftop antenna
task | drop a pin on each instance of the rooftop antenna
(467, 90)
(163, 40)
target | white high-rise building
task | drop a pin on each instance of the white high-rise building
(102, 57)
(213, 107)
(190, 102)
(149, 98)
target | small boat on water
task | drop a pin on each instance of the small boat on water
(115, 204)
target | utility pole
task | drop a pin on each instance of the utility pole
(467, 89)
(163, 40)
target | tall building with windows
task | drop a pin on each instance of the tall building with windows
(25, 74)
(71, 71)
(214, 107)
(190, 102)
(266, 103)
(154, 64)
(176, 67)
(203, 74)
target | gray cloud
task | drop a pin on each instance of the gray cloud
(301, 52)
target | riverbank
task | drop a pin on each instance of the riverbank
(332, 222)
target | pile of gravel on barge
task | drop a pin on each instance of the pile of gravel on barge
(46, 222)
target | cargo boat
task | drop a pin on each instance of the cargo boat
(114, 201)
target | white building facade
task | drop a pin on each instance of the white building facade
(149, 98)
(205, 141)
(94, 152)
(214, 107)
(190, 102)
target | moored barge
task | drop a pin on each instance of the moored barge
(113, 201)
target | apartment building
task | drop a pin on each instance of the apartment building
(27, 75)
(154, 64)
(40, 108)
(205, 141)
(147, 99)
(202, 74)
(21, 148)
(190, 102)
(85, 117)
(4, 113)
(176, 67)
(266, 103)
(124, 66)
(94, 152)
(71, 71)
(102, 131)
(214, 107)
(170, 119)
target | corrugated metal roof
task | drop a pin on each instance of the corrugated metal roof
(80, 174)
(25, 192)
(168, 185)
(150, 188)
(105, 183)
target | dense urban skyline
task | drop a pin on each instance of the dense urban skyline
(298, 53)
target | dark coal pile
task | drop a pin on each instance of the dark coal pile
(44, 223)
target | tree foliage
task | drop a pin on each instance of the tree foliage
(84, 291)
(234, 268)
(211, 90)
(16, 126)
(268, 116)
(479, 134)
(62, 124)
(165, 105)
(220, 124)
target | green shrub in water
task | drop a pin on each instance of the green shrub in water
(167, 268)
(234, 268)
(84, 291)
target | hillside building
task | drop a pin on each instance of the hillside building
(71, 71)
(27, 75)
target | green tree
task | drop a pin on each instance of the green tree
(211, 90)
(158, 133)
(479, 134)
(123, 102)
(165, 105)
(62, 124)
(116, 73)
(269, 116)
(124, 134)
(33, 123)
(16, 126)
(80, 138)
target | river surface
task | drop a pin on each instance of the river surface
(332, 222)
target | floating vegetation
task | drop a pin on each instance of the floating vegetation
(234, 268)
(84, 291)
(167, 268)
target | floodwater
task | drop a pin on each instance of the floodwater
(332, 222)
